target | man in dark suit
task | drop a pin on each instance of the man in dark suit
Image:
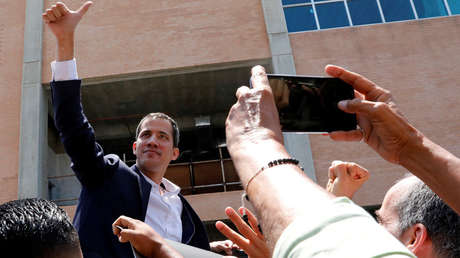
(109, 187)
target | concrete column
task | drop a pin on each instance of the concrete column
(33, 138)
(298, 145)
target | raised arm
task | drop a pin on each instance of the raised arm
(76, 133)
(389, 133)
(297, 215)
(254, 139)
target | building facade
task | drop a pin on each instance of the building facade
(187, 58)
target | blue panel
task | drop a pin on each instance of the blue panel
(300, 18)
(285, 2)
(364, 12)
(430, 8)
(454, 6)
(332, 15)
(397, 10)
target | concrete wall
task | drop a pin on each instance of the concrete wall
(417, 61)
(122, 37)
(12, 16)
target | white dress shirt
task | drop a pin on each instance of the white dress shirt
(163, 210)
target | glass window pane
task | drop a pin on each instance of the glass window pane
(300, 18)
(397, 10)
(430, 8)
(285, 2)
(454, 6)
(332, 15)
(364, 12)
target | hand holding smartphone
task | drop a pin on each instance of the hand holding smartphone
(309, 104)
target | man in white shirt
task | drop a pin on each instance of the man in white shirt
(109, 187)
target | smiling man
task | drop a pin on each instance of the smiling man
(109, 187)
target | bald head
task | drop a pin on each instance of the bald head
(409, 204)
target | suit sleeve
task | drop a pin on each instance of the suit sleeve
(77, 135)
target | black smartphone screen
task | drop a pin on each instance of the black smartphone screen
(309, 104)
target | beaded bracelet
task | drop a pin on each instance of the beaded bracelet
(272, 164)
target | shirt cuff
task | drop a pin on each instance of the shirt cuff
(64, 70)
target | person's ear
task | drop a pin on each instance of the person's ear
(417, 240)
(176, 153)
(134, 147)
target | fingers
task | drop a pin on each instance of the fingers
(359, 82)
(242, 227)
(123, 222)
(259, 78)
(50, 15)
(243, 90)
(45, 18)
(56, 11)
(62, 8)
(360, 106)
(230, 234)
(357, 172)
(252, 221)
(340, 168)
(351, 170)
(84, 8)
(353, 135)
(331, 173)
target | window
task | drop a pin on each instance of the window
(286, 2)
(430, 8)
(397, 10)
(332, 15)
(364, 12)
(305, 15)
(300, 18)
(454, 6)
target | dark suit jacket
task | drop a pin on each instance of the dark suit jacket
(109, 187)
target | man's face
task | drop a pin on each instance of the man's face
(154, 147)
(387, 215)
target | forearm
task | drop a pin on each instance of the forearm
(279, 194)
(437, 167)
(65, 47)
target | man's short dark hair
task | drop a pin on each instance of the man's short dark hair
(158, 115)
(421, 205)
(36, 228)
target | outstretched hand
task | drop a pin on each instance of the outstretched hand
(251, 241)
(142, 237)
(345, 178)
(253, 126)
(383, 127)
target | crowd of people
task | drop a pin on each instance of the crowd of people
(129, 211)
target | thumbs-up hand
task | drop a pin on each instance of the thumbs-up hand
(62, 22)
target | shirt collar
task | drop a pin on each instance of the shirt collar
(170, 187)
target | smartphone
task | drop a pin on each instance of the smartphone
(309, 104)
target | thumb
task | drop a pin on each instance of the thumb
(358, 173)
(356, 106)
(126, 235)
(84, 8)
